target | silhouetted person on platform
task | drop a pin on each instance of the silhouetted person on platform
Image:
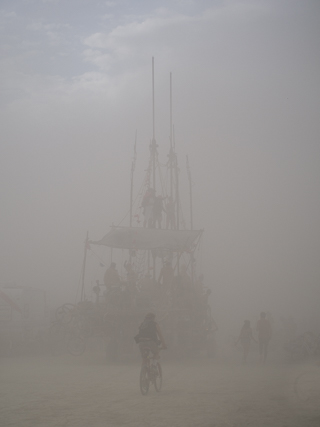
(170, 218)
(147, 204)
(111, 276)
(157, 211)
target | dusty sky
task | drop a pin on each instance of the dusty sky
(76, 85)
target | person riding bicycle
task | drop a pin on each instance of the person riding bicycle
(150, 336)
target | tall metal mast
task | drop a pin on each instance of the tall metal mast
(153, 144)
(133, 165)
(177, 182)
(83, 270)
(171, 142)
(173, 161)
(190, 192)
(153, 153)
(191, 220)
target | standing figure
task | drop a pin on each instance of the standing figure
(264, 336)
(245, 338)
(96, 289)
(111, 276)
(157, 211)
(170, 218)
(147, 204)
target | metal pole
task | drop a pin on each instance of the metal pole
(154, 267)
(190, 192)
(153, 152)
(84, 267)
(133, 165)
(191, 218)
(177, 184)
(153, 110)
(171, 148)
(153, 131)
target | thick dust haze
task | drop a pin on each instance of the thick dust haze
(76, 84)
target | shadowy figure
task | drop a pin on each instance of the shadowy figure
(170, 217)
(111, 276)
(245, 338)
(157, 211)
(147, 204)
(264, 336)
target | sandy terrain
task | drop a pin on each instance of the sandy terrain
(89, 392)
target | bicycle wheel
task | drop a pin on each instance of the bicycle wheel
(144, 380)
(158, 377)
(307, 386)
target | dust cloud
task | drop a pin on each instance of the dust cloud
(226, 132)
(88, 391)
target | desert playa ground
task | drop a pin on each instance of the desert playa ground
(88, 391)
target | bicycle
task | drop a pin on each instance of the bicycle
(151, 372)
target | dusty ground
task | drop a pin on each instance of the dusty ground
(89, 392)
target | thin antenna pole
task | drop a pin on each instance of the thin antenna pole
(153, 109)
(133, 165)
(84, 267)
(154, 150)
(171, 148)
(153, 131)
(177, 183)
(190, 192)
